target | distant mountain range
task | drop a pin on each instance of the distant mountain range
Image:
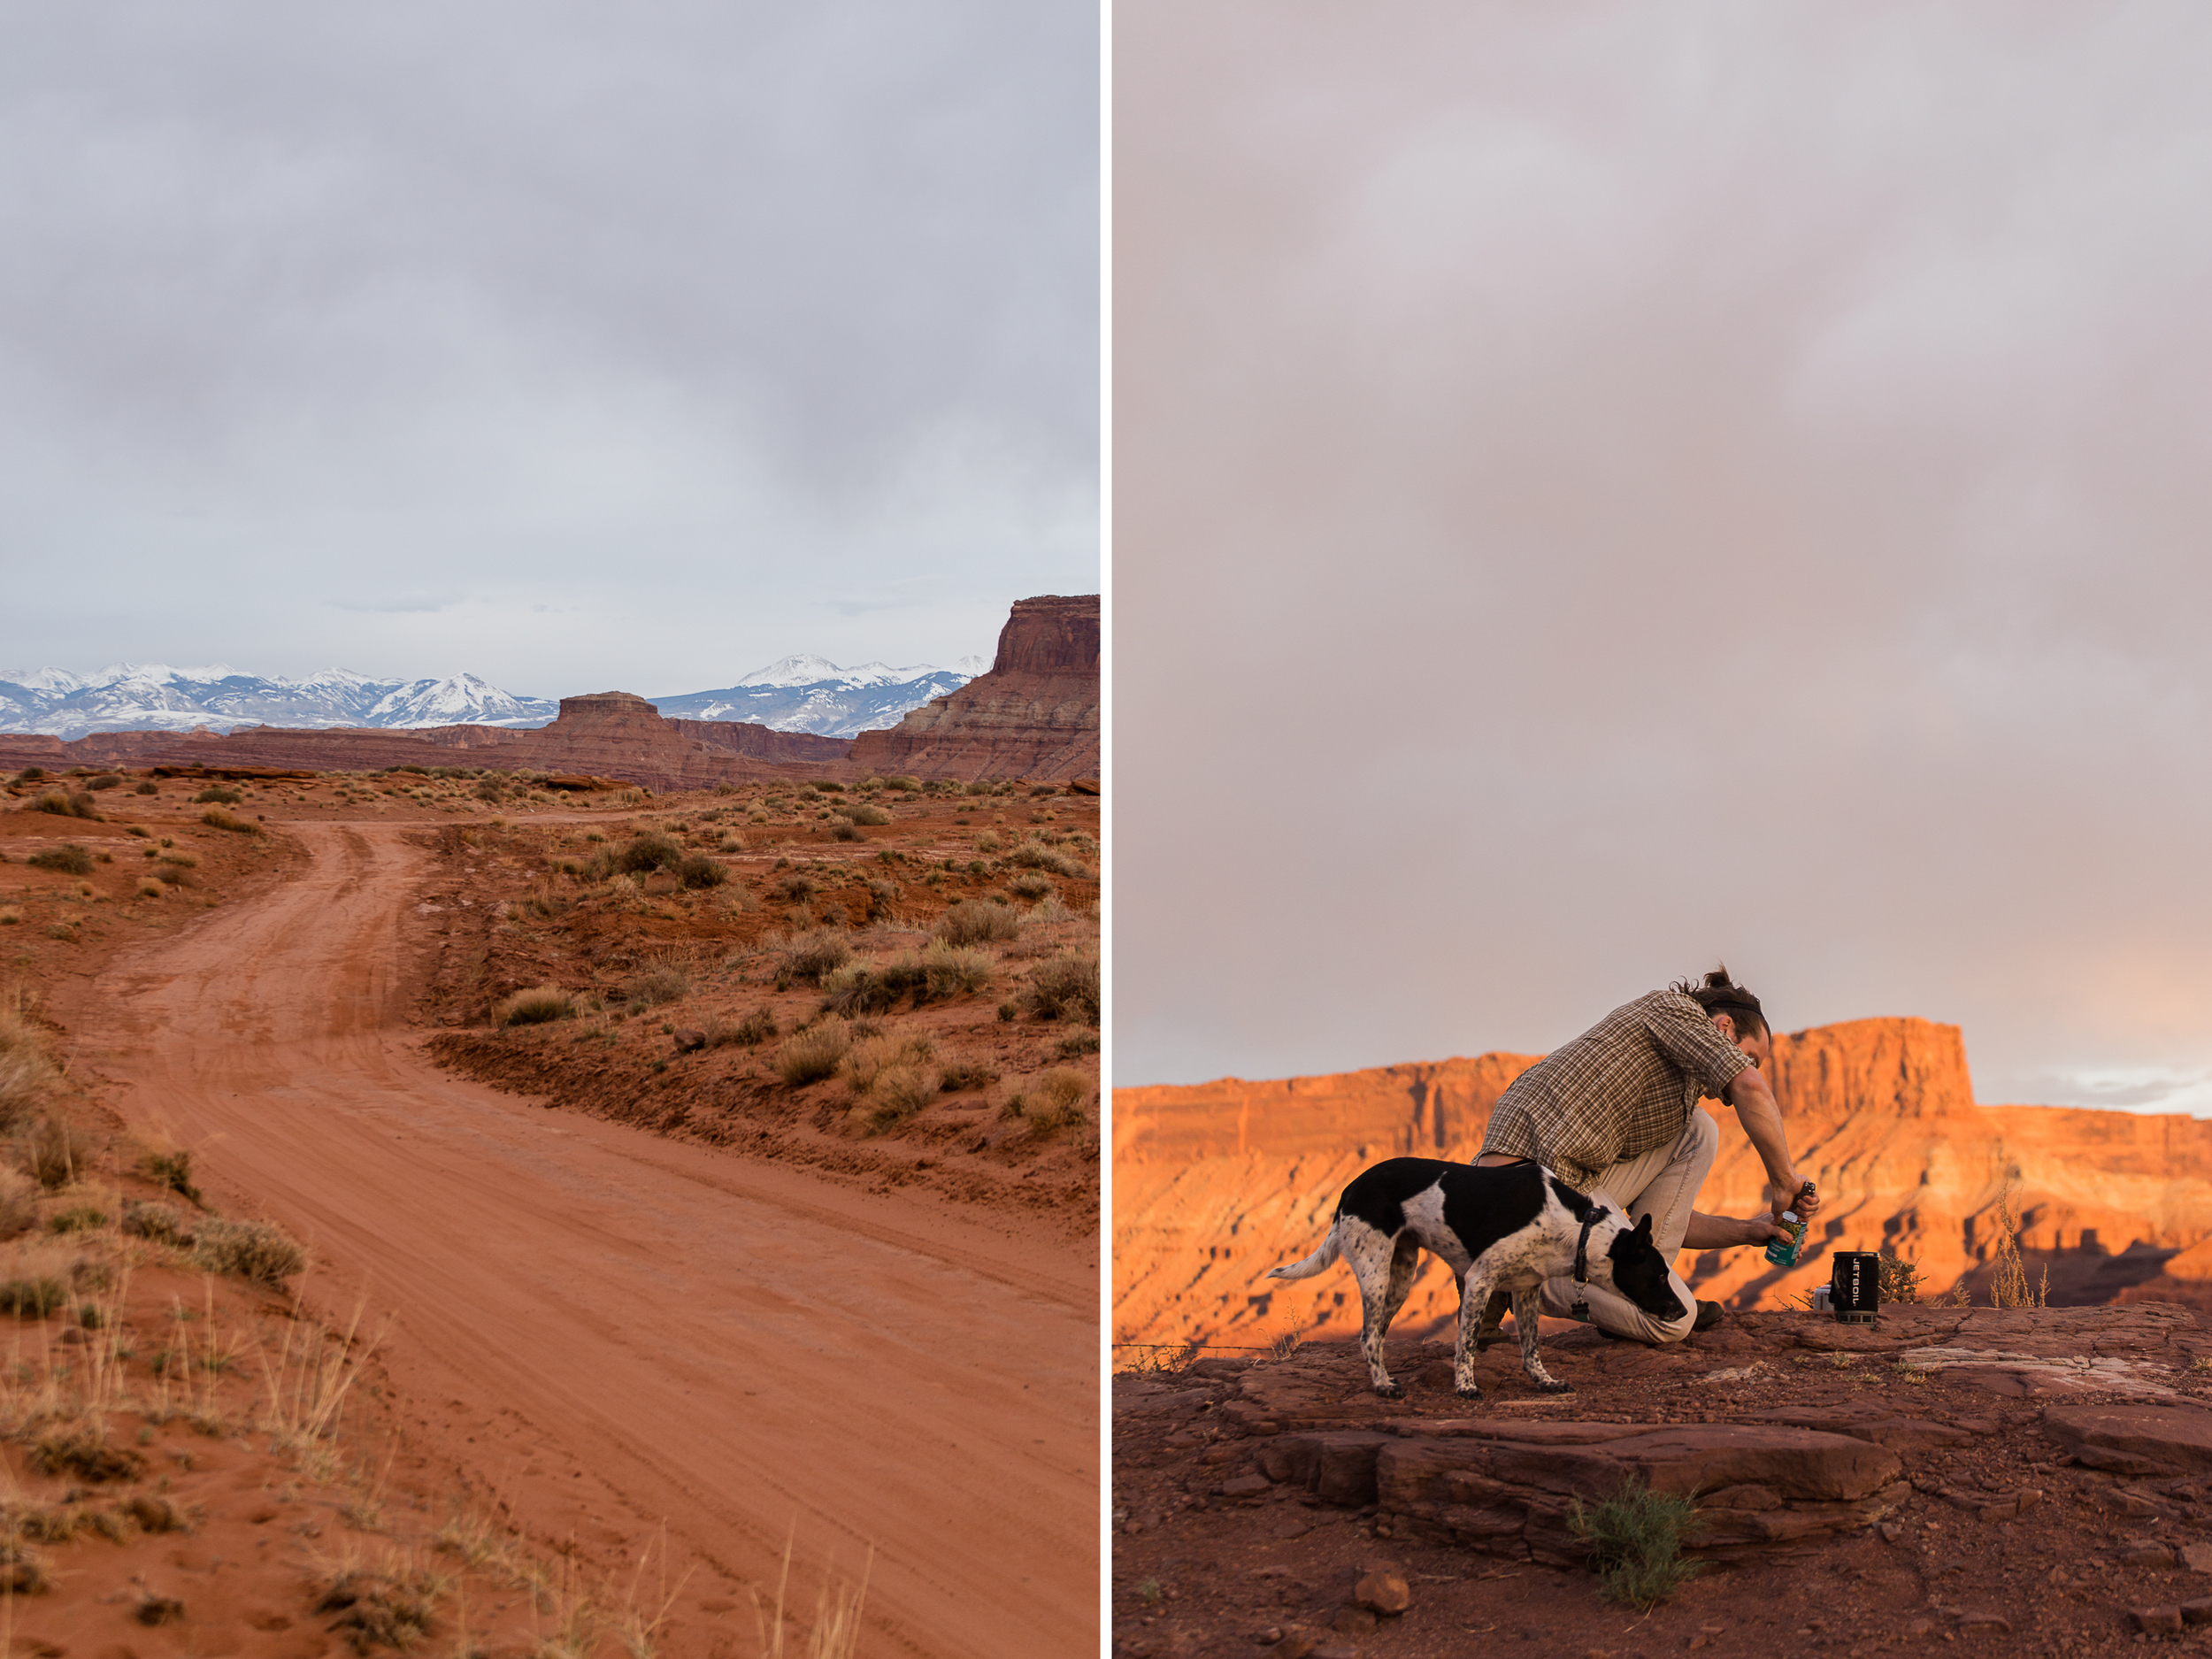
(799, 694)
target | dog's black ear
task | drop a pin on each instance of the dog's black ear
(1644, 1227)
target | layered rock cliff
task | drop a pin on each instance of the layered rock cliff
(1216, 1183)
(1034, 715)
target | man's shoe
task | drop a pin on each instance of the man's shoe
(1709, 1315)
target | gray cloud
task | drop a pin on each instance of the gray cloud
(660, 313)
(1598, 491)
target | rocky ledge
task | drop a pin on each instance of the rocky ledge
(2040, 1479)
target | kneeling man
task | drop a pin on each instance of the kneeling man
(1615, 1114)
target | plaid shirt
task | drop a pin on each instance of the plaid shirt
(1626, 1086)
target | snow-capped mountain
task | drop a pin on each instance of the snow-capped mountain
(153, 697)
(799, 694)
(810, 694)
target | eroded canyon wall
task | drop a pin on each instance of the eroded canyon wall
(1034, 715)
(1214, 1182)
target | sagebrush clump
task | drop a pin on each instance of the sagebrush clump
(537, 1006)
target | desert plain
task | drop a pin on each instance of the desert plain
(692, 1200)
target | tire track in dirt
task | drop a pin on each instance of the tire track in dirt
(618, 1330)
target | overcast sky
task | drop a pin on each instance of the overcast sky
(1603, 489)
(573, 345)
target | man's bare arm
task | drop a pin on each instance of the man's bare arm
(1762, 1119)
(1721, 1232)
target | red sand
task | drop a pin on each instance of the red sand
(613, 1331)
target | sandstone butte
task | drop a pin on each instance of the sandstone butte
(1214, 1183)
(1034, 714)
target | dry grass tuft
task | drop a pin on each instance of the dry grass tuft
(2009, 1286)
(539, 1005)
(215, 817)
(256, 1250)
(27, 1076)
(977, 922)
(810, 1056)
(1065, 984)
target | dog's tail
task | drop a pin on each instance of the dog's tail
(1321, 1259)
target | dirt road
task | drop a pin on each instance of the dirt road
(615, 1330)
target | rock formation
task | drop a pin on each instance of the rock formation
(612, 734)
(1034, 715)
(1214, 1182)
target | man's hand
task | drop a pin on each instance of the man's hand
(1780, 1198)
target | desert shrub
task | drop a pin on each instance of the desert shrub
(958, 1075)
(28, 1076)
(859, 988)
(10, 916)
(880, 896)
(827, 785)
(792, 888)
(256, 1250)
(64, 805)
(1635, 1544)
(755, 1029)
(988, 842)
(1037, 789)
(843, 830)
(55, 1152)
(82, 1450)
(147, 786)
(981, 788)
(32, 1297)
(163, 1223)
(220, 795)
(176, 875)
(663, 982)
(900, 1092)
(391, 1609)
(148, 887)
(68, 856)
(536, 1006)
(905, 786)
(30, 774)
(952, 970)
(1031, 855)
(1030, 886)
(1058, 1100)
(814, 955)
(215, 817)
(173, 1171)
(973, 922)
(1899, 1278)
(79, 1218)
(1065, 984)
(811, 1055)
(648, 851)
(866, 1064)
(861, 813)
(105, 780)
(1071, 1047)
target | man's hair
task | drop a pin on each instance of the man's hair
(1720, 994)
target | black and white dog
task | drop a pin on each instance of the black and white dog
(1507, 1228)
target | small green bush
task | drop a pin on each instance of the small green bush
(1030, 855)
(699, 870)
(536, 1006)
(215, 817)
(959, 1075)
(792, 888)
(861, 813)
(1058, 1101)
(827, 785)
(648, 851)
(216, 794)
(68, 856)
(64, 805)
(1635, 1541)
(79, 1218)
(105, 780)
(147, 786)
(755, 1029)
(173, 1171)
(1030, 886)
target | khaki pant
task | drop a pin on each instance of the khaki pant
(1661, 1184)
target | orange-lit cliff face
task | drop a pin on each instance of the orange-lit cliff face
(1215, 1184)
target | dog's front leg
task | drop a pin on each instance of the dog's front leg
(1474, 1300)
(1525, 1305)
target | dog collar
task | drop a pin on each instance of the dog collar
(1598, 1213)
